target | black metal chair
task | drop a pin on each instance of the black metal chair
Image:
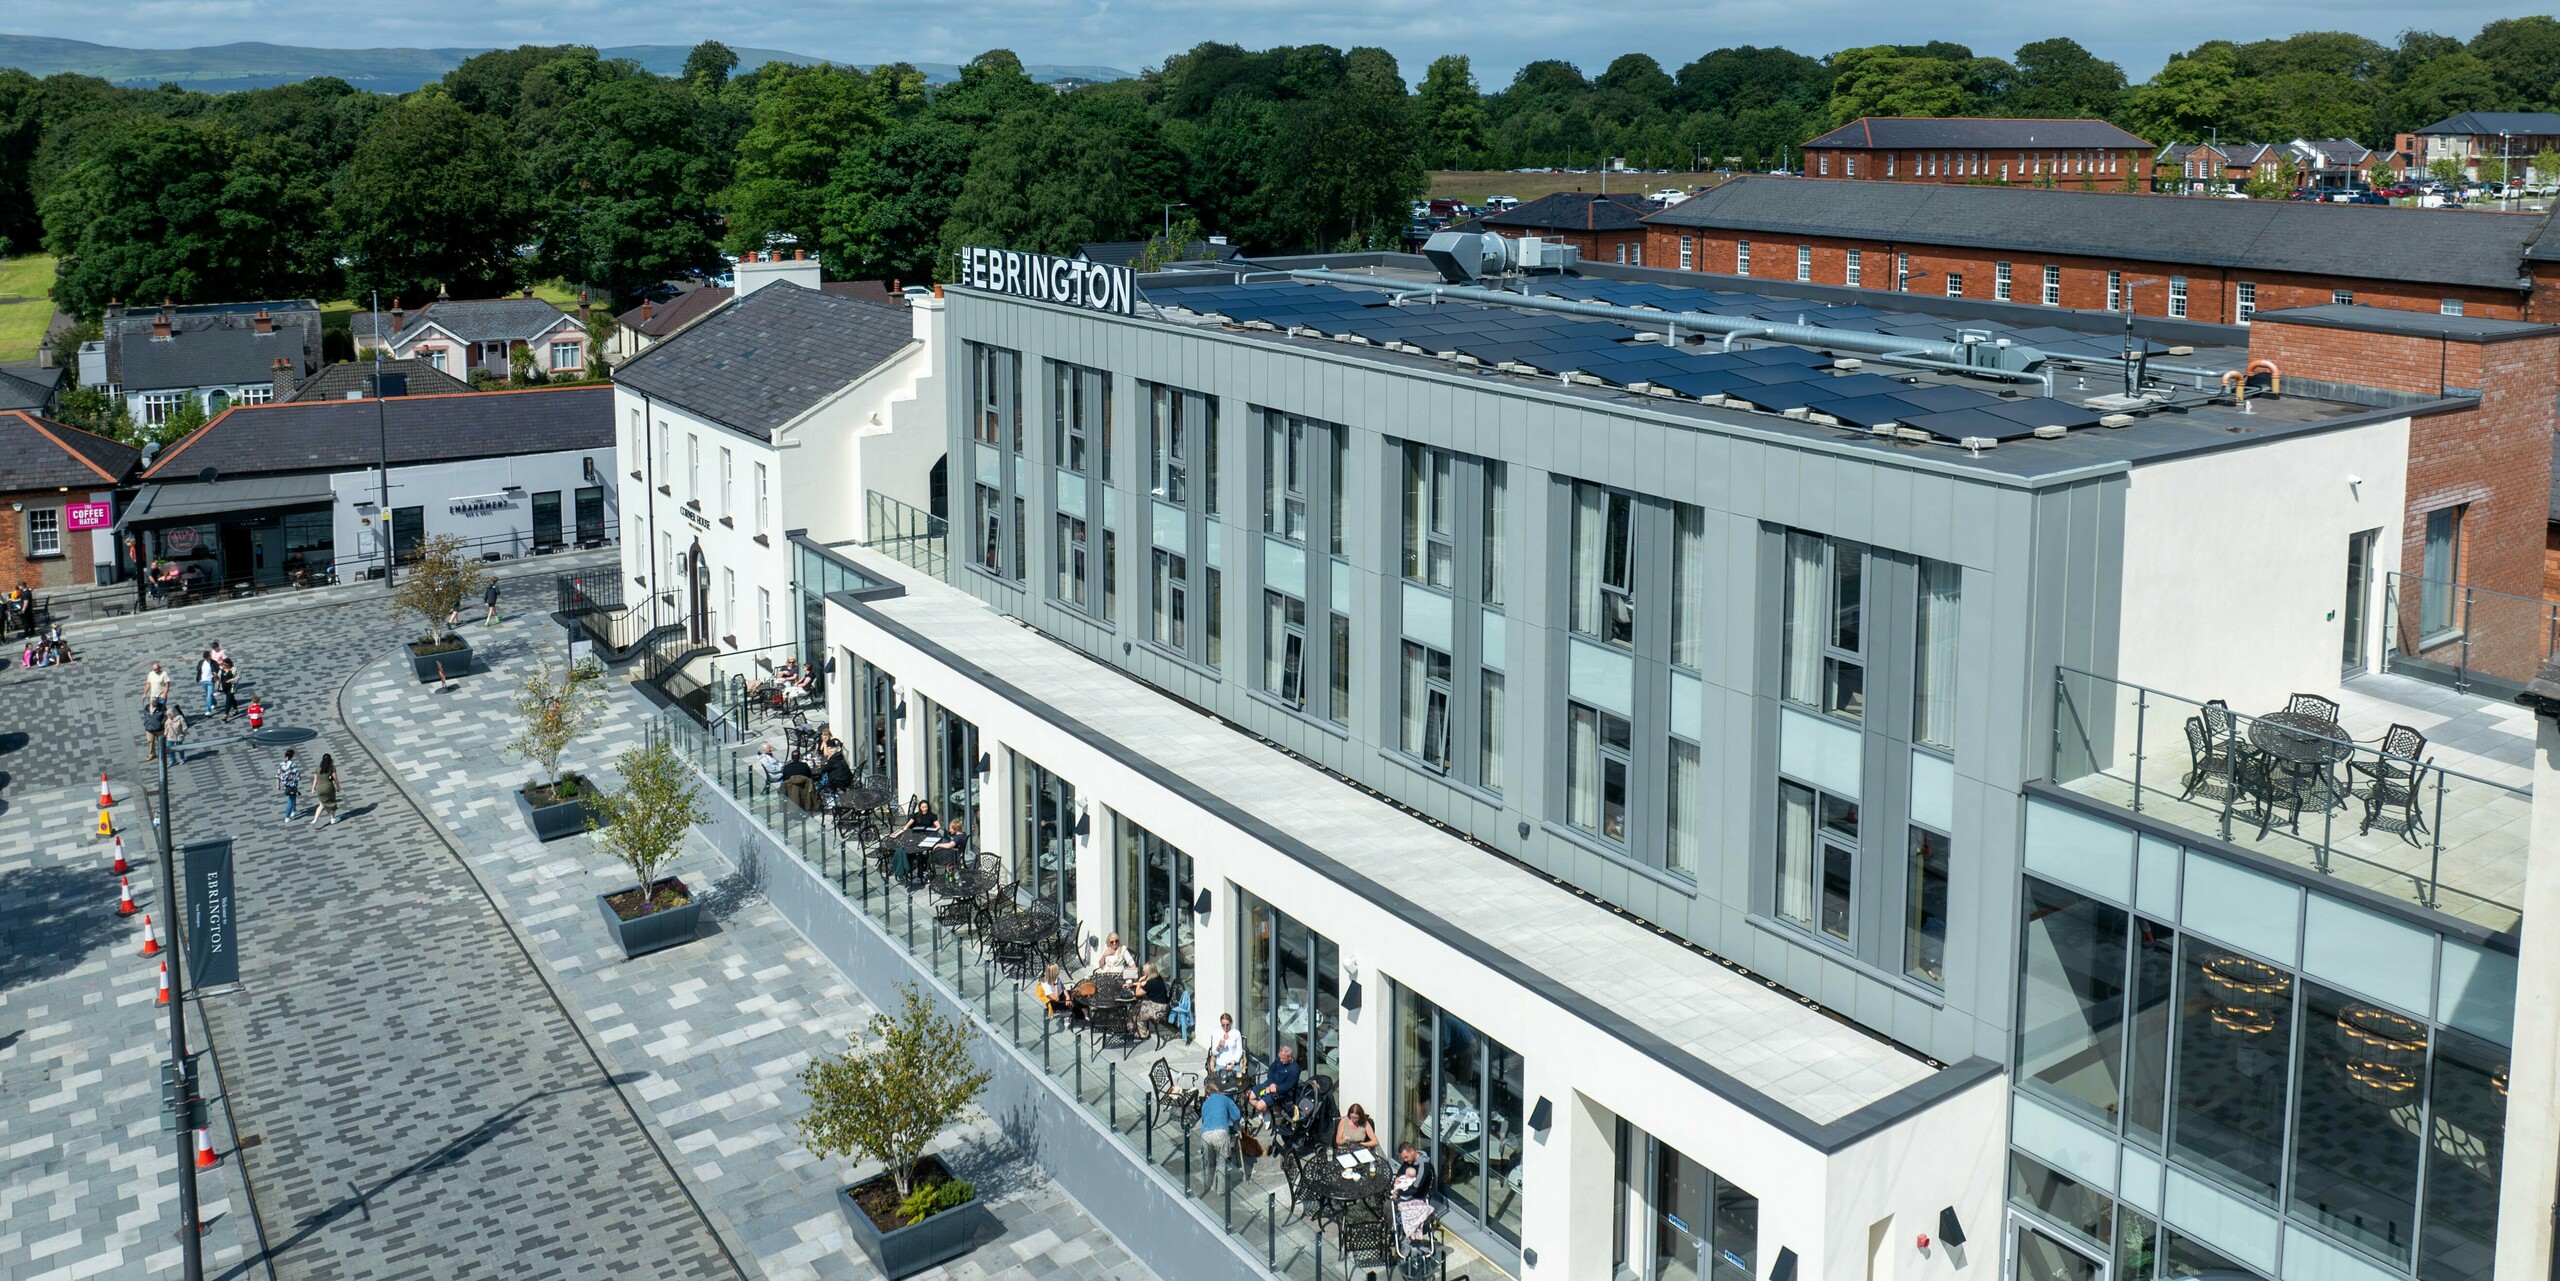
(2217, 719)
(2395, 787)
(2265, 781)
(1177, 1093)
(1365, 1232)
(2209, 756)
(2313, 705)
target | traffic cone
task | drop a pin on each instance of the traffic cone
(121, 866)
(106, 824)
(205, 1159)
(106, 799)
(150, 938)
(163, 998)
(124, 896)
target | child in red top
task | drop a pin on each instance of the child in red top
(257, 715)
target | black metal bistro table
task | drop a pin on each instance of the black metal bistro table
(1360, 1181)
(2304, 746)
(914, 848)
(957, 880)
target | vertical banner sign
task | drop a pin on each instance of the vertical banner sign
(1095, 286)
(213, 938)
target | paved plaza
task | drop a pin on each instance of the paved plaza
(437, 1068)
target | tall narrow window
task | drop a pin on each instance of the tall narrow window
(1338, 707)
(987, 518)
(1855, 273)
(1493, 510)
(1599, 755)
(693, 469)
(1423, 726)
(2440, 571)
(1742, 257)
(1284, 477)
(1685, 815)
(1824, 662)
(1489, 730)
(1817, 858)
(1338, 442)
(1284, 658)
(2115, 291)
(1933, 711)
(1603, 581)
(763, 498)
(1074, 557)
(1688, 253)
(1804, 262)
(728, 481)
(2177, 297)
(729, 599)
(2247, 303)
(1430, 524)
(2000, 277)
(764, 617)
(1168, 606)
(1182, 485)
(1924, 931)
(1901, 272)
(2052, 285)
(1688, 585)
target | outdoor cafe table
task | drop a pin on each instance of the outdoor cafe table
(965, 881)
(1020, 926)
(2306, 745)
(1359, 1181)
(916, 846)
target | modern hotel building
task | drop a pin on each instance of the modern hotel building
(1761, 806)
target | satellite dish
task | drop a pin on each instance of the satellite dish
(207, 475)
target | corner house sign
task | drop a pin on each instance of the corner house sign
(1095, 285)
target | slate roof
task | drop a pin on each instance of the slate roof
(207, 358)
(40, 454)
(331, 435)
(673, 315)
(31, 387)
(2419, 245)
(128, 329)
(1577, 211)
(2495, 122)
(769, 358)
(1991, 133)
(2336, 151)
(336, 381)
(486, 319)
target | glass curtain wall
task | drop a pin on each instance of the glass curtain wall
(996, 460)
(1156, 893)
(1292, 988)
(951, 771)
(874, 740)
(1044, 847)
(1458, 1099)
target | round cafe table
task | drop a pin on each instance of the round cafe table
(1360, 1181)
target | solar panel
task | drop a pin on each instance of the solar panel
(1710, 382)
(1942, 398)
(1867, 411)
(1955, 424)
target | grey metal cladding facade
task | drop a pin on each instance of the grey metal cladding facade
(2040, 587)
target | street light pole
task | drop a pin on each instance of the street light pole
(382, 440)
(190, 1238)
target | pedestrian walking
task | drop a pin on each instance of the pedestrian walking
(324, 793)
(227, 675)
(173, 736)
(155, 716)
(489, 597)
(208, 674)
(155, 683)
(289, 782)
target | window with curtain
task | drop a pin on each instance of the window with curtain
(1933, 710)
(2439, 570)
(1800, 676)
(1489, 730)
(1817, 859)
(1284, 639)
(1603, 579)
(1430, 525)
(1688, 585)
(1493, 509)
(1823, 626)
(1687, 818)
(1599, 754)
(1424, 721)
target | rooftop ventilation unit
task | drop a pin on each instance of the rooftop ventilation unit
(1463, 256)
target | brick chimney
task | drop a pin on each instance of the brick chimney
(281, 373)
(647, 310)
(160, 325)
(262, 322)
(399, 321)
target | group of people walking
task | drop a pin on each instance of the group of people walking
(165, 729)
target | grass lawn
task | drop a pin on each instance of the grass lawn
(1472, 186)
(25, 311)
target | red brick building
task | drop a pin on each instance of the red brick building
(2218, 261)
(1606, 228)
(60, 487)
(2478, 510)
(2086, 154)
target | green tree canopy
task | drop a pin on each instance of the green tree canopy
(1449, 111)
(708, 65)
(2524, 54)
(1886, 80)
(2058, 78)
(151, 208)
(622, 186)
(434, 197)
(805, 120)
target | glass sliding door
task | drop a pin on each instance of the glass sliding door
(1292, 987)
(1155, 901)
(1685, 1222)
(951, 767)
(1459, 1099)
(1044, 848)
(875, 719)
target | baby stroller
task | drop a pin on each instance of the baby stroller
(1307, 1125)
(1417, 1222)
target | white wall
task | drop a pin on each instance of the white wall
(2235, 562)
(1948, 1154)
(728, 548)
(434, 486)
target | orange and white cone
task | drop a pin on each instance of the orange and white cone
(106, 799)
(124, 896)
(163, 998)
(205, 1159)
(150, 938)
(121, 866)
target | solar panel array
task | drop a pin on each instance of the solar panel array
(1778, 379)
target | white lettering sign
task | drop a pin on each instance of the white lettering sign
(1045, 278)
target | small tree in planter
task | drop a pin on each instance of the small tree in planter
(434, 587)
(644, 822)
(887, 1102)
(553, 711)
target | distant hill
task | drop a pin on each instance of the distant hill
(220, 68)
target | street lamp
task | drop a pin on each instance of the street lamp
(382, 439)
(1168, 221)
(190, 1228)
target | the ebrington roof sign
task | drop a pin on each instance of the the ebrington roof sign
(1045, 278)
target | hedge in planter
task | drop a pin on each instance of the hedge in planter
(643, 824)
(433, 589)
(553, 711)
(885, 1102)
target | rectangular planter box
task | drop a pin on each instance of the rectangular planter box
(551, 822)
(653, 932)
(457, 662)
(912, 1249)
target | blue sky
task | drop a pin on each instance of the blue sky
(1132, 34)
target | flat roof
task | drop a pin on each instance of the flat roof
(1741, 1036)
(1612, 365)
(2408, 324)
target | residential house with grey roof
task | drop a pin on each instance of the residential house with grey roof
(461, 337)
(60, 485)
(2476, 136)
(2044, 153)
(215, 354)
(786, 409)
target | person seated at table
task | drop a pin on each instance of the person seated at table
(1226, 1051)
(919, 817)
(955, 841)
(1355, 1130)
(1052, 991)
(799, 783)
(768, 766)
(1116, 960)
(1155, 996)
(1279, 1083)
(837, 774)
(1413, 1187)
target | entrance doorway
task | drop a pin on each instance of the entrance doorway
(546, 520)
(2360, 548)
(699, 598)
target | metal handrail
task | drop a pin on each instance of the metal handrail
(911, 535)
(2406, 647)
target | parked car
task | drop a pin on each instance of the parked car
(1497, 204)
(1668, 195)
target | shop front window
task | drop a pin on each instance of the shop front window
(1044, 852)
(1156, 895)
(1458, 1099)
(1292, 988)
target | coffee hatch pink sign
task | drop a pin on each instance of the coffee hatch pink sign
(88, 515)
